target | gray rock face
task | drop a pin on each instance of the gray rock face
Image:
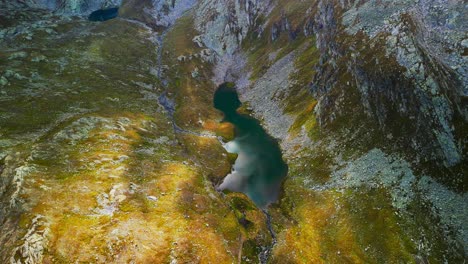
(283, 25)
(224, 24)
(159, 13)
(401, 73)
(375, 169)
(33, 244)
(263, 96)
(440, 27)
(70, 7)
(439, 32)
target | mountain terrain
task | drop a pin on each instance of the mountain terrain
(112, 149)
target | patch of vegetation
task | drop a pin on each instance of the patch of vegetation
(113, 179)
(262, 50)
(334, 227)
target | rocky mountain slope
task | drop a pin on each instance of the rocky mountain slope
(111, 150)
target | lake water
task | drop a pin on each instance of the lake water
(259, 168)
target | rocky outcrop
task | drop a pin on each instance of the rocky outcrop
(160, 13)
(67, 7)
(33, 244)
(224, 24)
(271, 85)
(404, 83)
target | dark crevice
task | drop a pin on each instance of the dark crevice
(104, 14)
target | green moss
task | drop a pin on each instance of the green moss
(250, 251)
(377, 226)
(299, 102)
(241, 203)
(314, 166)
(232, 157)
(330, 226)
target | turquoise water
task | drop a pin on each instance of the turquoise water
(259, 168)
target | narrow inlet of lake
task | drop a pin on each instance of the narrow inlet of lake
(259, 168)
